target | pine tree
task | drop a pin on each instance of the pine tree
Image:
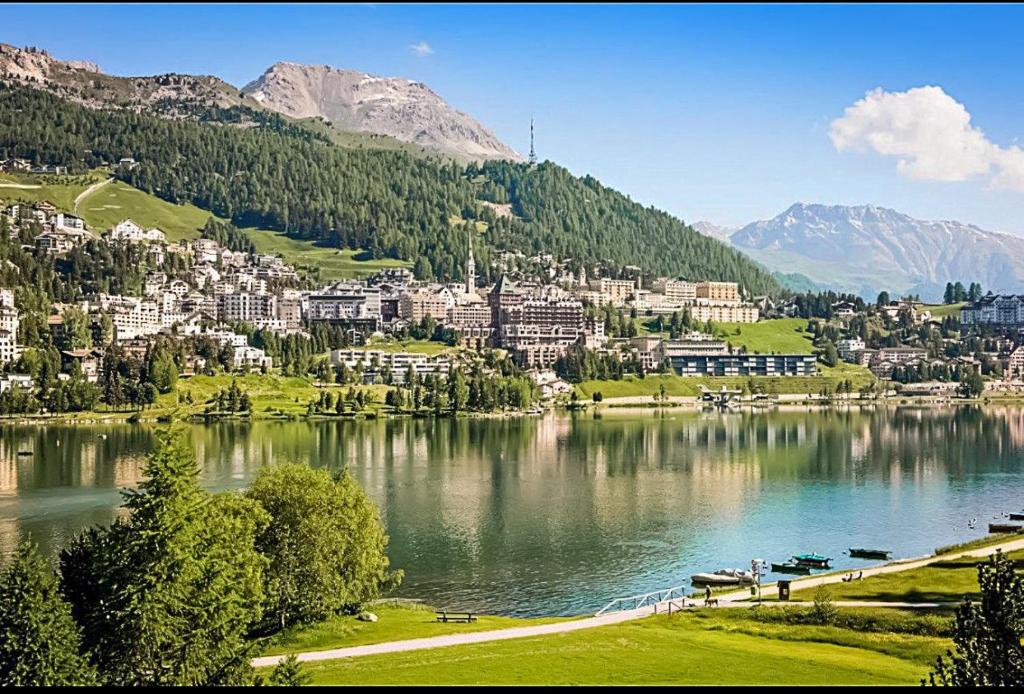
(987, 635)
(39, 641)
(167, 595)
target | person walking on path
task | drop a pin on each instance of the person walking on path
(707, 595)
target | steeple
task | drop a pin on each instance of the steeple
(470, 268)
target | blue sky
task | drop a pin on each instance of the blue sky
(712, 112)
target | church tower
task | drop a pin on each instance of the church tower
(470, 268)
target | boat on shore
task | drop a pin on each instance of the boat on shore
(815, 561)
(723, 577)
(1004, 528)
(789, 567)
(864, 553)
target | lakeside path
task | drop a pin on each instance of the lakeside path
(733, 600)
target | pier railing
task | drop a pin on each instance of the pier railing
(635, 602)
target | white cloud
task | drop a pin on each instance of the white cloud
(931, 134)
(422, 48)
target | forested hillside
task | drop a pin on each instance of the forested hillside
(272, 175)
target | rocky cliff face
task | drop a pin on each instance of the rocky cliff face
(867, 248)
(83, 82)
(403, 109)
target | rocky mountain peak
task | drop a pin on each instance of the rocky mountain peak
(401, 108)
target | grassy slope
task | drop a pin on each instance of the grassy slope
(395, 623)
(114, 202)
(712, 648)
(117, 201)
(58, 190)
(269, 393)
(334, 264)
(940, 311)
(690, 386)
(780, 335)
(945, 581)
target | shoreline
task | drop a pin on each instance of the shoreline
(630, 402)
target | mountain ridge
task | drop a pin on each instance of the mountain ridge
(867, 248)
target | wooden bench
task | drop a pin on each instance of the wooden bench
(456, 617)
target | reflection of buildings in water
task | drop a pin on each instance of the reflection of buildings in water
(127, 469)
(10, 535)
(8, 474)
(86, 464)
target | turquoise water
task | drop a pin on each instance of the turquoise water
(559, 514)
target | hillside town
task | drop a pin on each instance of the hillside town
(543, 318)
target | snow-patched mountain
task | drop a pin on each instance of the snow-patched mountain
(868, 248)
(713, 230)
(400, 108)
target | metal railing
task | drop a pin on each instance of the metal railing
(635, 602)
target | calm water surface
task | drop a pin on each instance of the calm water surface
(557, 515)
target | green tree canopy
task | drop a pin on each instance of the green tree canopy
(167, 595)
(325, 544)
(39, 641)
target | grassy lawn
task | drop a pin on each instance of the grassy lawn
(332, 263)
(945, 581)
(690, 385)
(727, 647)
(58, 190)
(942, 310)
(396, 622)
(780, 335)
(117, 201)
(270, 393)
(414, 346)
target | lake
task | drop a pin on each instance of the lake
(561, 513)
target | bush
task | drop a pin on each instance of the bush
(823, 612)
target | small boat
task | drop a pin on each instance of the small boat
(1004, 528)
(862, 553)
(1017, 516)
(815, 561)
(723, 577)
(788, 567)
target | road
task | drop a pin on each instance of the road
(89, 191)
(731, 600)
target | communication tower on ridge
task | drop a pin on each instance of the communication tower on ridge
(533, 152)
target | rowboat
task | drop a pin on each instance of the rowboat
(1004, 528)
(788, 567)
(723, 577)
(815, 561)
(1017, 516)
(870, 553)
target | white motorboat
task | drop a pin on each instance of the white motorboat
(724, 577)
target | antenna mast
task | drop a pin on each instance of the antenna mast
(533, 152)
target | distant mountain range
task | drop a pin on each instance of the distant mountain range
(395, 109)
(865, 249)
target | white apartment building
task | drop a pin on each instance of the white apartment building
(677, 291)
(849, 347)
(373, 362)
(245, 306)
(131, 317)
(9, 321)
(128, 231)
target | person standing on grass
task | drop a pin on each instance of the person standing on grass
(707, 595)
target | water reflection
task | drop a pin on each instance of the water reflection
(558, 514)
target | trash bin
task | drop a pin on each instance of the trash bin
(783, 590)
